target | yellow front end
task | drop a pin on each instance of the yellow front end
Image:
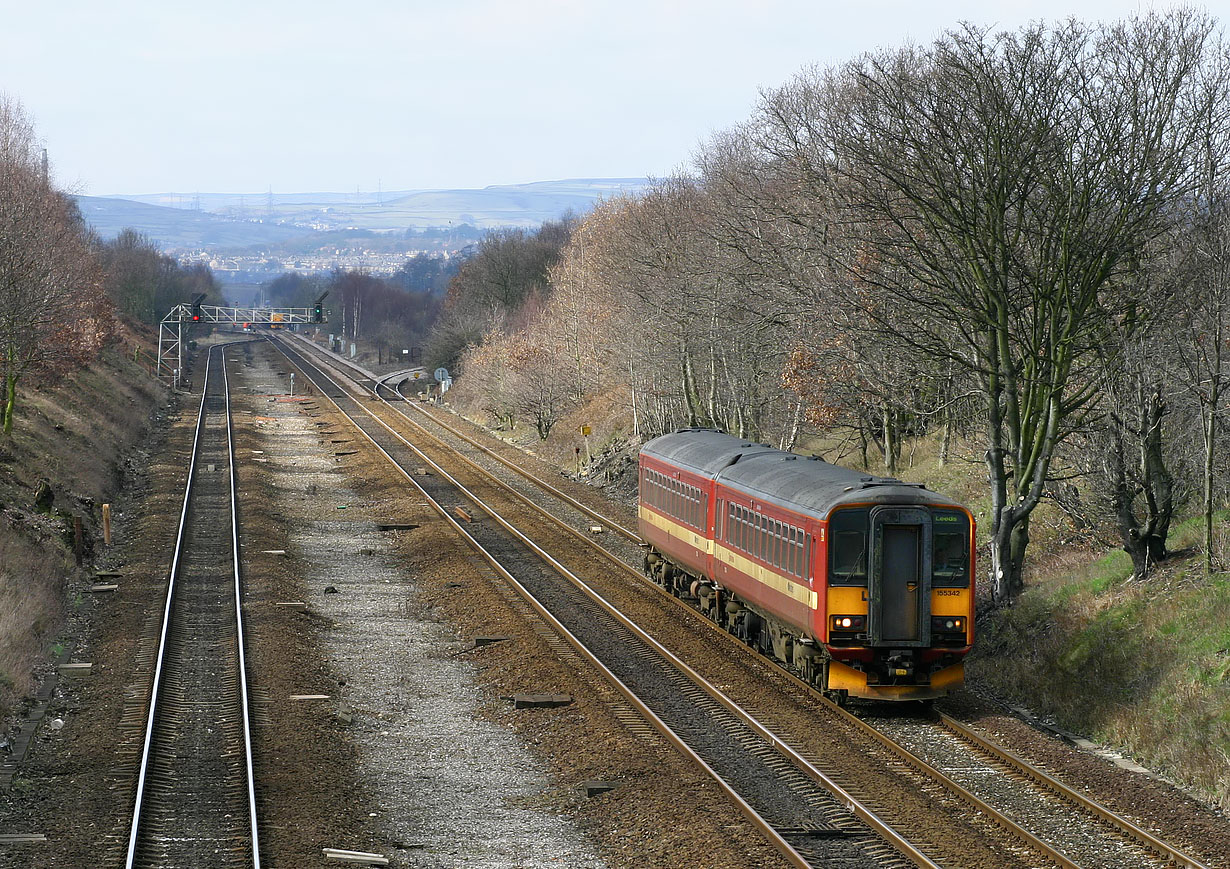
(852, 601)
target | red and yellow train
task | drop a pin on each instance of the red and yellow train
(863, 584)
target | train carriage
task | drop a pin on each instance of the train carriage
(863, 584)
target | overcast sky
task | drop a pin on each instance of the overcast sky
(301, 95)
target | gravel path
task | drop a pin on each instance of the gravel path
(447, 787)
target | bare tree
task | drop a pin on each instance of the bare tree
(1013, 177)
(53, 313)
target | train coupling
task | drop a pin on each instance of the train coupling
(899, 663)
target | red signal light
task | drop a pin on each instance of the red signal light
(196, 316)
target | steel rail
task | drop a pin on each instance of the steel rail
(241, 641)
(512, 466)
(1132, 831)
(1014, 829)
(902, 753)
(166, 622)
(172, 576)
(537, 481)
(906, 848)
(1120, 823)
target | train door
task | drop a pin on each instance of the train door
(900, 581)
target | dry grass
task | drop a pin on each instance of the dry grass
(31, 604)
(1144, 666)
(74, 433)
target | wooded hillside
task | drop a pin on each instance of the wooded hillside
(1018, 237)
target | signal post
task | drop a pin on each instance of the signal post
(178, 323)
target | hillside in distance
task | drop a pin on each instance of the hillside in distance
(220, 221)
(175, 229)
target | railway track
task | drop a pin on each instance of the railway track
(1038, 820)
(195, 802)
(805, 815)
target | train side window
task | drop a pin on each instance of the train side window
(848, 547)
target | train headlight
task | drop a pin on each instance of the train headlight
(948, 623)
(848, 623)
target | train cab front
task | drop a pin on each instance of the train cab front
(899, 601)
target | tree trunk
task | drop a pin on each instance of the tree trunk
(636, 420)
(1009, 539)
(10, 402)
(892, 447)
(1144, 541)
(792, 434)
(1210, 434)
(696, 416)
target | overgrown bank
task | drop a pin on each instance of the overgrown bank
(1140, 665)
(78, 437)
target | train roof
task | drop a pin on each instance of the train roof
(802, 483)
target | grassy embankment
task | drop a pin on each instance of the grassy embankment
(1141, 666)
(76, 435)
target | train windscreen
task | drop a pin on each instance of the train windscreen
(949, 549)
(848, 547)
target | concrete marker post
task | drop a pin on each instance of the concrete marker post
(106, 510)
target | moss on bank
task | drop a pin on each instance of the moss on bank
(1144, 666)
